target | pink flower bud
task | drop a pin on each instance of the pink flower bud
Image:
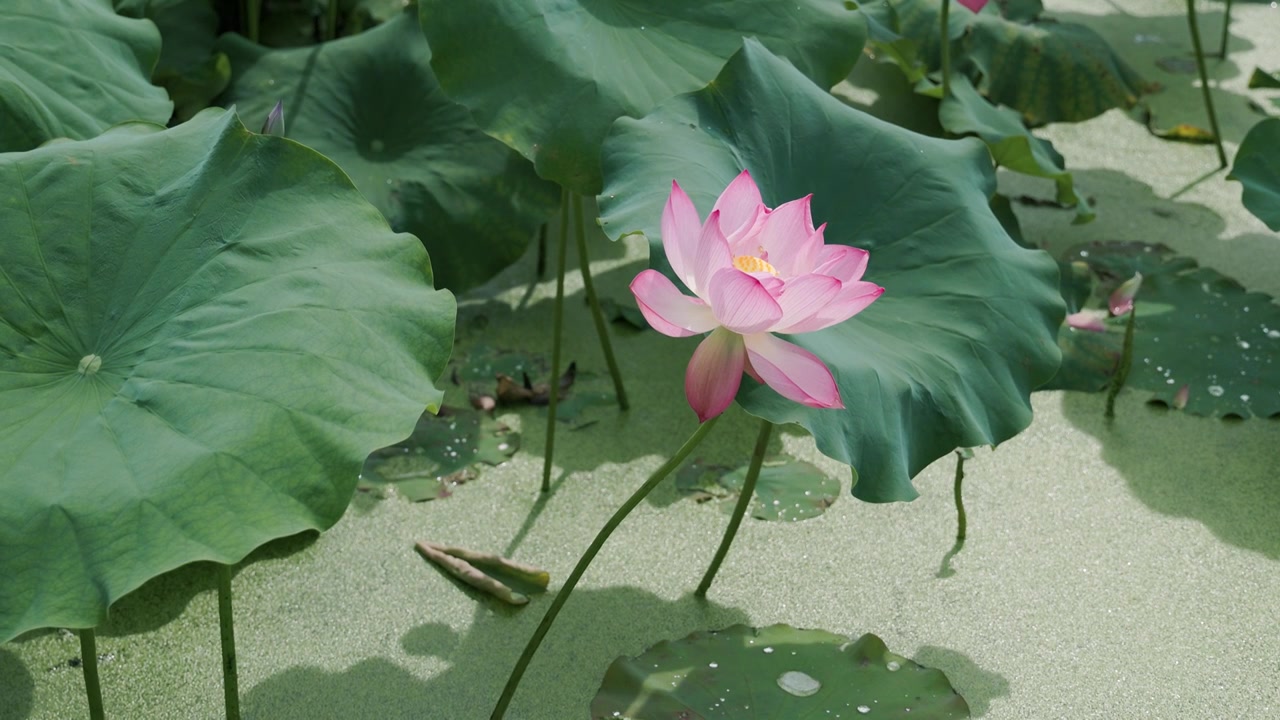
(1121, 301)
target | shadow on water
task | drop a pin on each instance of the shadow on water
(1218, 473)
(163, 598)
(596, 627)
(979, 687)
(17, 688)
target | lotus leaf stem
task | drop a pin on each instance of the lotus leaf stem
(1122, 368)
(597, 315)
(745, 495)
(230, 680)
(962, 522)
(89, 664)
(1226, 27)
(500, 710)
(946, 48)
(1204, 83)
(557, 334)
(253, 16)
(540, 267)
(331, 21)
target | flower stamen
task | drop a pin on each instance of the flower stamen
(753, 264)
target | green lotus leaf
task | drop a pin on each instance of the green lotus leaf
(1048, 71)
(948, 356)
(72, 69)
(371, 103)
(965, 112)
(1195, 327)
(548, 77)
(1257, 167)
(188, 68)
(774, 672)
(203, 333)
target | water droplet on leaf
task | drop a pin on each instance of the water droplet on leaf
(798, 683)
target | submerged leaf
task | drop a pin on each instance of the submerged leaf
(774, 672)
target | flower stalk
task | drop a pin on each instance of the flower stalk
(513, 682)
(745, 495)
(1121, 374)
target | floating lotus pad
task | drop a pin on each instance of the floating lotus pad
(72, 69)
(442, 452)
(548, 77)
(775, 672)
(965, 330)
(371, 103)
(1195, 327)
(786, 489)
(204, 332)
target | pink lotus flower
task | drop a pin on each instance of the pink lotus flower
(753, 272)
(974, 5)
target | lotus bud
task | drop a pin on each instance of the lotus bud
(1090, 320)
(274, 124)
(1180, 398)
(1121, 301)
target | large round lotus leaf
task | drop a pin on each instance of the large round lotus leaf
(203, 333)
(778, 672)
(73, 68)
(1257, 167)
(189, 68)
(371, 103)
(1195, 327)
(1049, 71)
(548, 77)
(948, 356)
